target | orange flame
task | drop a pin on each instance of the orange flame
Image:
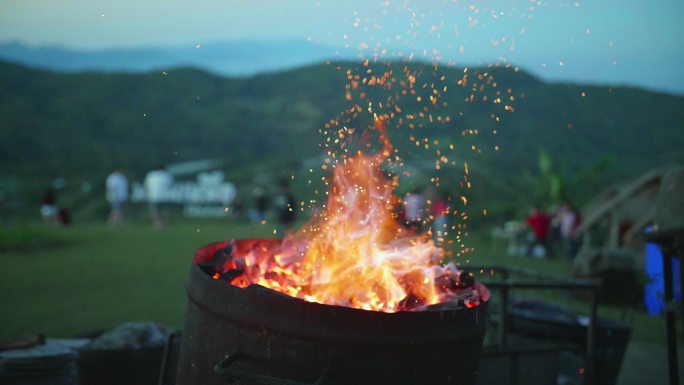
(355, 253)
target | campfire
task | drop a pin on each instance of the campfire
(352, 297)
(354, 253)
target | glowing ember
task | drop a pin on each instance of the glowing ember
(355, 253)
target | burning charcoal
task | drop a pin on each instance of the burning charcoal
(446, 305)
(270, 275)
(208, 267)
(447, 281)
(217, 261)
(465, 280)
(467, 297)
(223, 255)
(230, 275)
(241, 281)
(410, 302)
(455, 280)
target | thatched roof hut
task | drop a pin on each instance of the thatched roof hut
(613, 223)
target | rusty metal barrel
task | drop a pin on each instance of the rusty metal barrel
(265, 337)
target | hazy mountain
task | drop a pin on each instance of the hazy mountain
(226, 58)
(249, 57)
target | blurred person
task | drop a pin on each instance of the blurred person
(63, 216)
(260, 204)
(440, 212)
(158, 186)
(414, 204)
(568, 220)
(117, 195)
(286, 207)
(540, 223)
(48, 207)
(554, 243)
(238, 208)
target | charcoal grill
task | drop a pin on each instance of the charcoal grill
(261, 336)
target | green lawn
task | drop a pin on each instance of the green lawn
(97, 277)
(90, 277)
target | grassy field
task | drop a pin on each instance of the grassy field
(90, 277)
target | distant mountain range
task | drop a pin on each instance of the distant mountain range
(250, 57)
(225, 58)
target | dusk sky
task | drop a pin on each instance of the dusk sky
(601, 41)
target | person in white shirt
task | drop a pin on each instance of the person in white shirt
(117, 196)
(158, 186)
(568, 221)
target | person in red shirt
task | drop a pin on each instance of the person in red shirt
(540, 224)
